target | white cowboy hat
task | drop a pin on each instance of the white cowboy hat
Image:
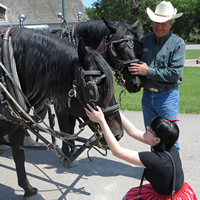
(164, 12)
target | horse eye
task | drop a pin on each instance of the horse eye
(130, 44)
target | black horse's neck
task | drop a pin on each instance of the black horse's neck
(47, 65)
(44, 64)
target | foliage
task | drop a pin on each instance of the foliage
(139, 11)
(131, 10)
(114, 10)
(190, 19)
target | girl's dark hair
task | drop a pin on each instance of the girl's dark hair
(167, 131)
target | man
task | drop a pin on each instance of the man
(163, 61)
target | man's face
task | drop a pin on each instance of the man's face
(161, 29)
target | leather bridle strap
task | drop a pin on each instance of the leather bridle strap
(125, 38)
(90, 73)
(124, 64)
(84, 101)
(107, 111)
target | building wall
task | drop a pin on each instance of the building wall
(42, 12)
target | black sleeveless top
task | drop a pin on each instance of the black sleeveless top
(159, 170)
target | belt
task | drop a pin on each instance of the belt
(158, 90)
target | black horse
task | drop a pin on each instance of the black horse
(123, 47)
(50, 67)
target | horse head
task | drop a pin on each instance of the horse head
(124, 47)
(94, 84)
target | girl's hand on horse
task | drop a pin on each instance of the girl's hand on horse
(95, 115)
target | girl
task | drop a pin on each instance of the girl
(161, 136)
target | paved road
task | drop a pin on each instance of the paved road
(105, 178)
(193, 46)
(192, 62)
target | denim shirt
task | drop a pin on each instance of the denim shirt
(165, 58)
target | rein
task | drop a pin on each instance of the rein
(15, 111)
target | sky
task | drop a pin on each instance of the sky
(88, 3)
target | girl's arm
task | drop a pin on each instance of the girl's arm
(131, 130)
(122, 153)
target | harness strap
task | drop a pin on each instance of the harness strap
(17, 86)
(111, 109)
(24, 146)
(84, 123)
(6, 59)
(22, 111)
(123, 64)
(13, 81)
(128, 37)
(90, 72)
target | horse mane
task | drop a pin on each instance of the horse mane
(91, 31)
(94, 30)
(47, 66)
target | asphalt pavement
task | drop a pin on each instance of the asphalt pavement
(106, 177)
(193, 62)
(192, 46)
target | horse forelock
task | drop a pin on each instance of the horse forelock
(122, 30)
(106, 69)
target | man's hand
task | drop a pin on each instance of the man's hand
(138, 69)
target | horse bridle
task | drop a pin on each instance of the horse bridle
(90, 96)
(120, 64)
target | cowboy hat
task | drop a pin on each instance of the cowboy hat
(164, 12)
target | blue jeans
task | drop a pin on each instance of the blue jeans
(164, 104)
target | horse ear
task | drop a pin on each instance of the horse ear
(102, 46)
(82, 51)
(111, 26)
(135, 25)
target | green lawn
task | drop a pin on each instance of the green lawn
(192, 54)
(189, 94)
(190, 91)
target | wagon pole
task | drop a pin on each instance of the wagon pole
(65, 25)
(63, 10)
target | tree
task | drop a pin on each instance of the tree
(186, 25)
(131, 10)
(114, 10)
(139, 12)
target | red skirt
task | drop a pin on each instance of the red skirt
(147, 193)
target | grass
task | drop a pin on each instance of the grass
(192, 54)
(129, 101)
(189, 94)
(190, 91)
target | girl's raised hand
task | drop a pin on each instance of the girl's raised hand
(94, 115)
